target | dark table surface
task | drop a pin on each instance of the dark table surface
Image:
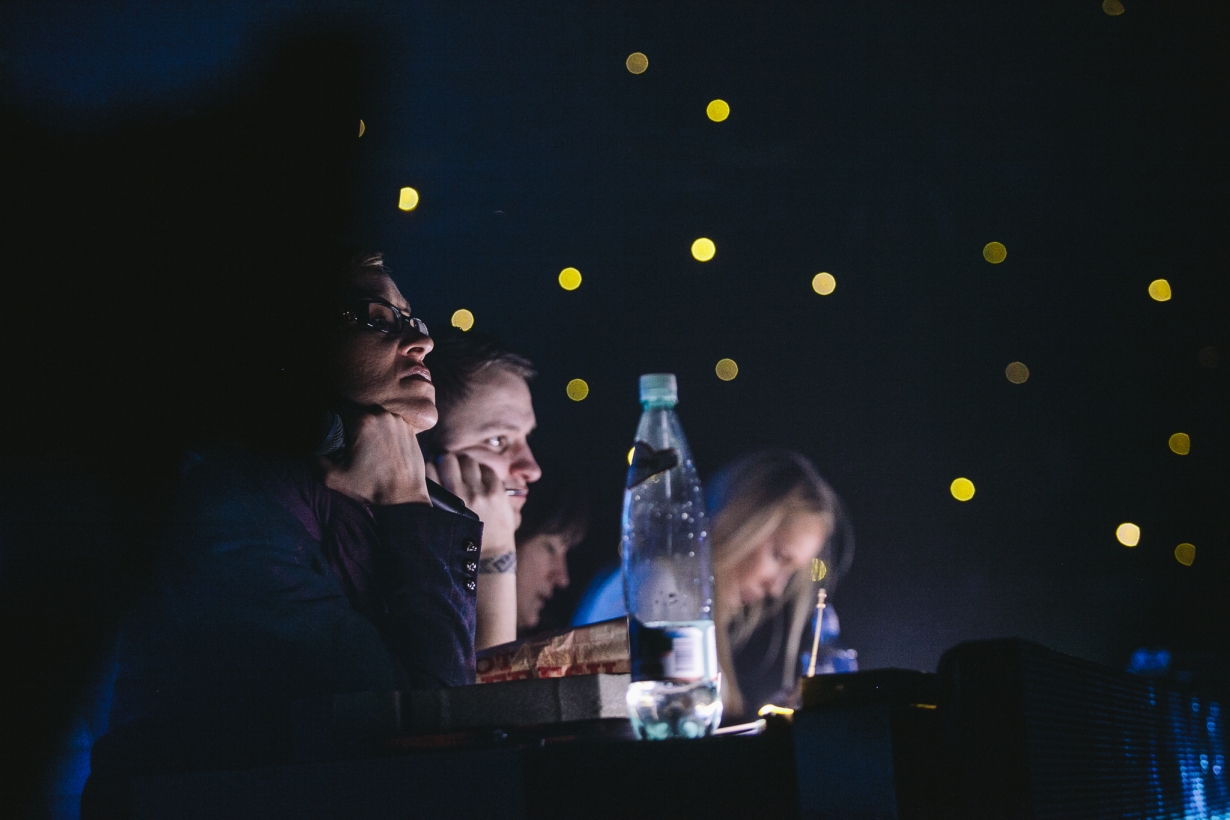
(828, 763)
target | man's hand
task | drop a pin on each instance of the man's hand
(482, 491)
(383, 465)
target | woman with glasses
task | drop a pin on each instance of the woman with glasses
(296, 572)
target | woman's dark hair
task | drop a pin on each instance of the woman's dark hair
(265, 382)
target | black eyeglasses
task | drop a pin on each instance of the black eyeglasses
(379, 315)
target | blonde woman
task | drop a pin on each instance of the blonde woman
(778, 536)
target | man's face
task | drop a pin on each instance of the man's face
(491, 426)
(386, 369)
(542, 568)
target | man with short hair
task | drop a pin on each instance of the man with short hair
(486, 416)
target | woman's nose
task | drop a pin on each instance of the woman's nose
(414, 344)
(779, 583)
(764, 584)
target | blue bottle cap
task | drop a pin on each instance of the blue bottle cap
(659, 387)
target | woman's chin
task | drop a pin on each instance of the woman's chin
(419, 412)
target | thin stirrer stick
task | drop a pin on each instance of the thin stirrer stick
(815, 638)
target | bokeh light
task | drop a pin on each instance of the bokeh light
(577, 389)
(717, 110)
(1127, 534)
(1017, 372)
(962, 489)
(631, 452)
(824, 283)
(637, 63)
(1112, 7)
(463, 319)
(994, 252)
(409, 199)
(1159, 290)
(1208, 357)
(727, 369)
(703, 249)
(362, 128)
(570, 279)
(819, 569)
(1181, 443)
(1185, 554)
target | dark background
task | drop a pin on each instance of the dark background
(164, 163)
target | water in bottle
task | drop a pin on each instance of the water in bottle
(668, 578)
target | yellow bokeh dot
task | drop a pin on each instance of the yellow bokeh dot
(727, 369)
(962, 489)
(637, 63)
(994, 252)
(362, 128)
(1181, 443)
(577, 389)
(1112, 7)
(824, 283)
(1185, 554)
(1017, 372)
(717, 110)
(463, 319)
(1127, 534)
(1159, 290)
(630, 454)
(570, 279)
(409, 199)
(703, 249)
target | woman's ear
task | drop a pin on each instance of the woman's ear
(334, 437)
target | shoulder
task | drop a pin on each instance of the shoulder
(228, 496)
(603, 600)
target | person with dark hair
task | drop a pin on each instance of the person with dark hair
(289, 575)
(482, 439)
(778, 535)
(555, 520)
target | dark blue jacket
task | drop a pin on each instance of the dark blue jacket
(275, 588)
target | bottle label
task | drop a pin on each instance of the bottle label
(684, 652)
(648, 462)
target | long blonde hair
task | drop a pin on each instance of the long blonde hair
(748, 500)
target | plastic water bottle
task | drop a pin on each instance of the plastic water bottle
(668, 578)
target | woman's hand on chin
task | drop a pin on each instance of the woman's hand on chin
(382, 465)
